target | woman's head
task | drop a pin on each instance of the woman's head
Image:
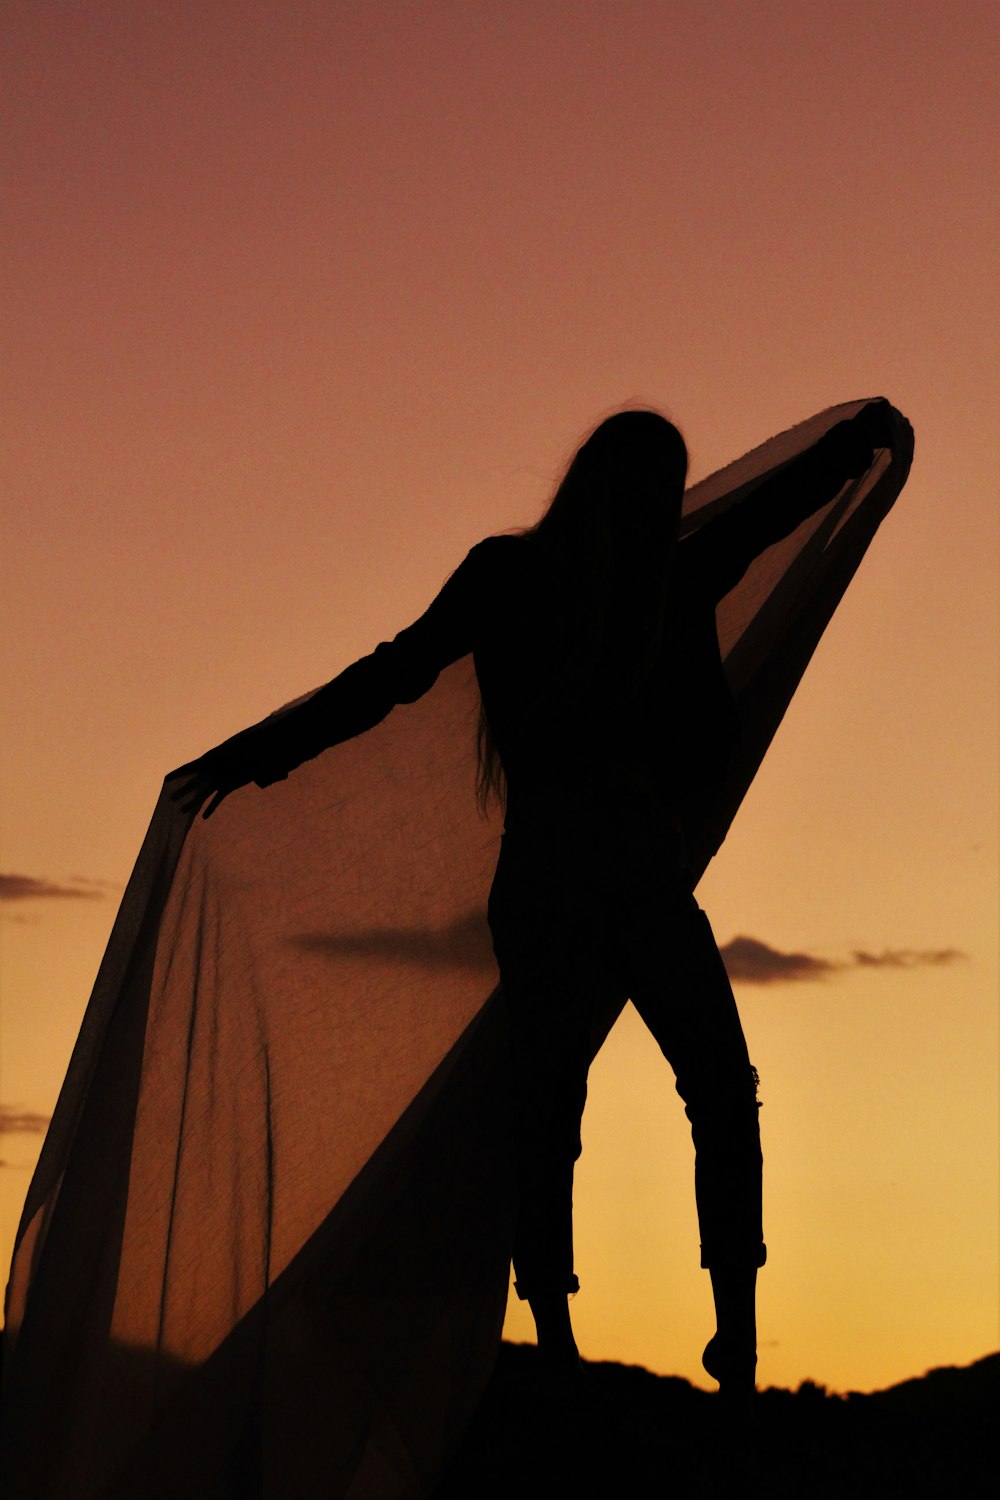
(609, 533)
(624, 485)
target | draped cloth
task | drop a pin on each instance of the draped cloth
(265, 1250)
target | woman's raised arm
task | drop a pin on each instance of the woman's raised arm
(728, 546)
(397, 671)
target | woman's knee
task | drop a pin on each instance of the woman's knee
(725, 1105)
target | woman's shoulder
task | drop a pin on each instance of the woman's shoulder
(500, 555)
(504, 544)
(497, 576)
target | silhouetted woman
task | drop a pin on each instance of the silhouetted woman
(607, 724)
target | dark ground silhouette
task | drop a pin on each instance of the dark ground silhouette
(645, 1434)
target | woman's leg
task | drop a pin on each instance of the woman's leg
(549, 1062)
(680, 987)
(550, 977)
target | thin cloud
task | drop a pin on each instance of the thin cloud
(21, 1121)
(749, 961)
(29, 888)
(907, 958)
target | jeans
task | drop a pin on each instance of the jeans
(587, 909)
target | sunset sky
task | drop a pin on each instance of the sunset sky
(304, 297)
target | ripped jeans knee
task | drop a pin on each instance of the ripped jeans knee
(728, 1170)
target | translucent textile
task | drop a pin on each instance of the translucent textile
(265, 1250)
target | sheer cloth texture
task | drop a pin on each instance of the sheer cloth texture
(265, 1250)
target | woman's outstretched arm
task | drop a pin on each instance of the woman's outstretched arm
(726, 547)
(397, 671)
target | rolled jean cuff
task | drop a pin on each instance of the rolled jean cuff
(755, 1256)
(529, 1288)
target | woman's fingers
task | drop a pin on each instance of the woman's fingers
(184, 789)
(194, 789)
(220, 795)
(194, 798)
(189, 768)
(876, 420)
(192, 794)
(214, 775)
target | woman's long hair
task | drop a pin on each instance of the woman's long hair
(609, 532)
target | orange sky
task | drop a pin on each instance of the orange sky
(304, 298)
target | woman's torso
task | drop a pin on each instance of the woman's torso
(588, 724)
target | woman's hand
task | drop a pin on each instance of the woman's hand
(217, 773)
(877, 421)
(876, 425)
(207, 777)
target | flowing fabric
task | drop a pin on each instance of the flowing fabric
(265, 1250)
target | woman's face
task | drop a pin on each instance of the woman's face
(646, 504)
(644, 464)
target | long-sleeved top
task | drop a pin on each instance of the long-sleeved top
(562, 715)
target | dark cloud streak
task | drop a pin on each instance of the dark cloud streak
(21, 1121)
(749, 961)
(30, 888)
